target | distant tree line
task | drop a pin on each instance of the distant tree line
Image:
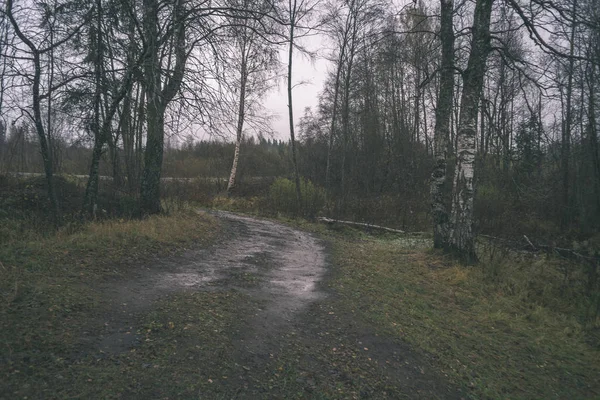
(263, 157)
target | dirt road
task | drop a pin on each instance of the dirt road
(270, 262)
(289, 336)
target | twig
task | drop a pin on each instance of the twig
(529, 241)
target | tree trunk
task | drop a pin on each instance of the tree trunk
(336, 90)
(236, 156)
(91, 190)
(127, 132)
(291, 112)
(333, 121)
(462, 240)
(139, 136)
(150, 188)
(442, 128)
(240, 123)
(37, 117)
(345, 134)
(3, 52)
(593, 141)
(113, 150)
(157, 99)
(128, 120)
(567, 125)
(346, 110)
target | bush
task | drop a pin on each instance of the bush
(282, 198)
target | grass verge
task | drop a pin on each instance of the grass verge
(181, 344)
(497, 331)
(48, 296)
(496, 343)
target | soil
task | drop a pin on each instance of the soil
(290, 315)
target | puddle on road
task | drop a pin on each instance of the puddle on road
(186, 279)
(288, 263)
(284, 266)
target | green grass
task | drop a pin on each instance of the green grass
(48, 294)
(496, 341)
(96, 247)
(182, 353)
(510, 327)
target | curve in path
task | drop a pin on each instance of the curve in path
(284, 263)
(279, 269)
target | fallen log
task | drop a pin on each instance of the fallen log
(536, 248)
(361, 224)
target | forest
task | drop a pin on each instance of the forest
(473, 123)
(398, 133)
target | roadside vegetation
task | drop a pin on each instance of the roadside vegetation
(512, 327)
(518, 325)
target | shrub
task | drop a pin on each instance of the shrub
(282, 197)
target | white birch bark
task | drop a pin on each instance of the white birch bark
(462, 239)
(240, 124)
(232, 175)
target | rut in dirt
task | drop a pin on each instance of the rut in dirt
(278, 266)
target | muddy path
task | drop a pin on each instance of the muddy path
(291, 336)
(276, 265)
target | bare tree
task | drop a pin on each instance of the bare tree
(6, 40)
(36, 51)
(462, 238)
(106, 101)
(443, 113)
(297, 18)
(256, 60)
(158, 95)
(340, 33)
(567, 124)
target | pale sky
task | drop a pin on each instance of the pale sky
(304, 95)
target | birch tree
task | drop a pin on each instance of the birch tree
(462, 239)
(255, 62)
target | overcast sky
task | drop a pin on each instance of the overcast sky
(304, 95)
